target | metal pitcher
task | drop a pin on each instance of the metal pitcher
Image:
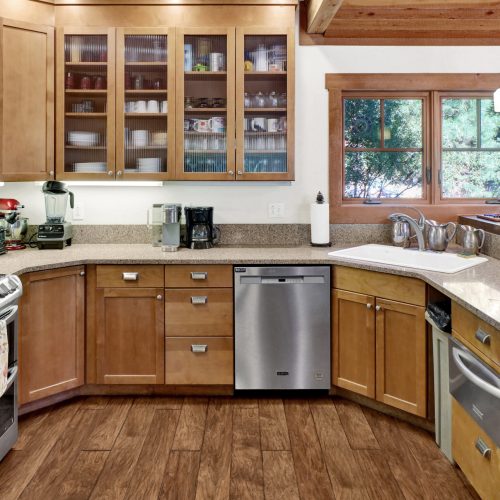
(439, 235)
(472, 239)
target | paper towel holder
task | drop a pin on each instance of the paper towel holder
(320, 200)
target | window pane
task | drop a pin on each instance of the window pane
(362, 123)
(470, 174)
(459, 123)
(490, 125)
(383, 175)
(403, 123)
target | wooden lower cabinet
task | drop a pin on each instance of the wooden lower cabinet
(354, 342)
(401, 356)
(199, 361)
(483, 472)
(130, 342)
(52, 333)
(380, 350)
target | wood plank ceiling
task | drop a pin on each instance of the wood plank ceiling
(400, 22)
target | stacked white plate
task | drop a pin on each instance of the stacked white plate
(149, 164)
(90, 167)
(84, 139)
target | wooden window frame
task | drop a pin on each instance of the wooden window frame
(435, 84)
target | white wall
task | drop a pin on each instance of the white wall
(243, 203)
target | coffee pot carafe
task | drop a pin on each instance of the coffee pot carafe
(472, 239)
(439, 235)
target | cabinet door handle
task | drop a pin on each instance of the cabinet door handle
(199, 276)
(130, 276)
(231, 172)
(119, 173)
(199, 348)
(369, 306)
(483, 337)
(378, 308)
(110, 173)
(159, 297)
(51, 173)
(199, 299)
(82, 273)
(483, 448)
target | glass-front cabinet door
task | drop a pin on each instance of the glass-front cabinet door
(264, 104)
(205, 104)
(145, 82)
(85, 123)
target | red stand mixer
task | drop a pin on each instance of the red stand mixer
(14, 225)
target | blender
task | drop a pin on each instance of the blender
(55, 232)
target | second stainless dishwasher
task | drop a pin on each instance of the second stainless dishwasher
(282, 327)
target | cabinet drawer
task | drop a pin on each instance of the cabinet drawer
(134, 276)
(199, 361)
(482, 472)
(479, 334)
(387, 286)
(199, 312)
(199, 276)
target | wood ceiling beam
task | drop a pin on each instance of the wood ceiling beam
(320, 14)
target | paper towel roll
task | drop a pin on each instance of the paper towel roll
(320, 223)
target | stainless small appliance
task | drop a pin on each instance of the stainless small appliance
(56, 232)
(476, 387)
(10, 291)
(200, 230)
(282, 327)
(14, 225)
(171, 231)
(439, 235)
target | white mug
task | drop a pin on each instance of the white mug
(153, 107)
(273, 124)
(201, 126)
(217, 124)
(258, 124)
(140, 107)
(130, 107)
(164, 107)
(140, 138)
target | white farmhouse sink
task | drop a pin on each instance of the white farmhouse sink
(441, 262)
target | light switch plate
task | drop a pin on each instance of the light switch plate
(78, 211)
(276, 210)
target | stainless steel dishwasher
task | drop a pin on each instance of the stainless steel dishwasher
(282, 327)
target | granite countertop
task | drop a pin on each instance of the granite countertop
(477, 288)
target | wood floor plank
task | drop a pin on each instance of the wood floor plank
(181, 476)
(45, 483)
(357, 429)
(247, 480)
(82, 477)
(168, 402)
(108, 425)
(280, 482)
(215, 461)
(436, 469)
(115, 477)
(273, 427)
(28, 427)
(377, 476)
(148, 474)
(340, 461)
(241, 402)
(403, 465)
(191, 426)
(312, 477)
(18, 467)
(96, 402)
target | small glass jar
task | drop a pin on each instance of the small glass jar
(247, 100)
(282, 100)
(272, 100)
(259, 100)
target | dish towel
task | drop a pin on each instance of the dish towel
(4, 357)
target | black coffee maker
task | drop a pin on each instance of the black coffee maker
(200, 230)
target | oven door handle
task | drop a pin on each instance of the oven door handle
(12, 376)
(11, 314)
(482, 384)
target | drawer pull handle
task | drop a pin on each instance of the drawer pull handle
(130, 276)
(200, 299)
(483, 448)
(483, 337)
(199, 276)
(199, 347)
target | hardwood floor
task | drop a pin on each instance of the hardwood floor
(223, 448)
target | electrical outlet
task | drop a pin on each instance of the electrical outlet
(276, 210)
(78, 211)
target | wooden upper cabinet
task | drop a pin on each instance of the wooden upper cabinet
(401, 356)
(130, 340)
(26, 101)
(265, 102)
(205, 107)
(85, 104)
(353, 358)
(145, 103)
(52, 333)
